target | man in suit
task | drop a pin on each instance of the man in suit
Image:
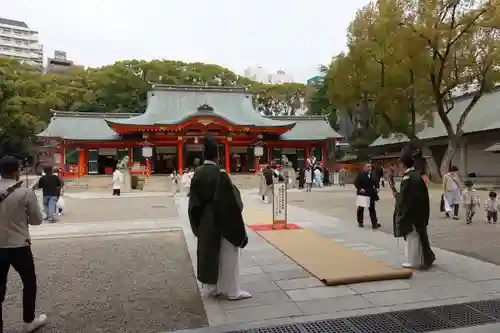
(367, 185)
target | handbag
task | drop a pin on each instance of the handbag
(9, 191)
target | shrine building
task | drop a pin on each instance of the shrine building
(173, 126)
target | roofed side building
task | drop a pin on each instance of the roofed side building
(174, 124)
(481, 132)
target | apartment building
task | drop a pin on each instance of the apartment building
(59, 64)
(19, 42)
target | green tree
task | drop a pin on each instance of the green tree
(462, 40)
(280, 99)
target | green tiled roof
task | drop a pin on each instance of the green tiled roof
(82, 126)
(307, 128)
(173, 104)
(168, 105)
(89, 126)
(484, 116)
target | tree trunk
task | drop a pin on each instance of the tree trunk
(448, 157)
(432, 166)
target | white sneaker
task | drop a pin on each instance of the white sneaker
(35, 324)
(407, 265)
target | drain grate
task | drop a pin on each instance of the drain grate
(407, 321)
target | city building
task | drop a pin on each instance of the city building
(59, 64)
(174, 124)
(257, 74)
(19, 42)
(279, 77)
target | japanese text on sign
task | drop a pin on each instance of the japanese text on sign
(279, 202)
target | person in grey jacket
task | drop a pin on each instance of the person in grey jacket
(18, 209)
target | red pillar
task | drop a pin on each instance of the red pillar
(306, 155)
(323, 154)
(61, 158)
(180, 157)
(269, 154)
(227, 157)
(130, 157)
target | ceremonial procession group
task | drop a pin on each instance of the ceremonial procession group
(215, 215)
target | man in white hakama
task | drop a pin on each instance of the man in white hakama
(215, 215)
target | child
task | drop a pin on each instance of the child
(492, 206)
(469, 200)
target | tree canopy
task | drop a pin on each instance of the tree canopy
(27, 96)
(406, 61)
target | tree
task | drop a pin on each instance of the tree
(406, 58)
(462, 39)
(280, 99)
(318, 101)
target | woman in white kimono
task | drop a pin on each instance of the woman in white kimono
(452, 191)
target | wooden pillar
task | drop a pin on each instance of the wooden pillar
(130, 156)
(227, 157)
(269, 154)
(81, 163)
(180, 156)
(61, 158)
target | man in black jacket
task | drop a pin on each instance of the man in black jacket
(367, 186)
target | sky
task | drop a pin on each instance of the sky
(296, 36)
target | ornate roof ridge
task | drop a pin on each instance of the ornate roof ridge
(199, 88)
(88, 114)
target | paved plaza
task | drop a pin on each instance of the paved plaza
(478, 240)
(140, 230)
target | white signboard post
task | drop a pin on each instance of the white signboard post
(279, 204)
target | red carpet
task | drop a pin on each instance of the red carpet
(268, 227)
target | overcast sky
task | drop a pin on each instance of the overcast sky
(293, 35)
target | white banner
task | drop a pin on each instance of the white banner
(279, 202)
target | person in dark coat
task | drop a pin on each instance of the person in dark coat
(215, 215)
(367, 186)
(412, 214)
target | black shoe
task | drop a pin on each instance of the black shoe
(447, 215)
(376, 226)
(360, 225)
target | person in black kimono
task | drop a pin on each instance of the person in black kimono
(215, 215)
(367, 186)
(412, 214)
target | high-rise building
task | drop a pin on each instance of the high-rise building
(59, 64)
(19, 42)
(257, 73)
(280, 77)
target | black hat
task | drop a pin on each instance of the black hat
(468, 183)
(209, 147)
(407, 156)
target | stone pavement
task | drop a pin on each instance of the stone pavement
(478, 240)
(283, 292)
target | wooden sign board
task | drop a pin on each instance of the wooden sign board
(280, 204)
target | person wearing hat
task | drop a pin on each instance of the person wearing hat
(412, 214)
(215, 214)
